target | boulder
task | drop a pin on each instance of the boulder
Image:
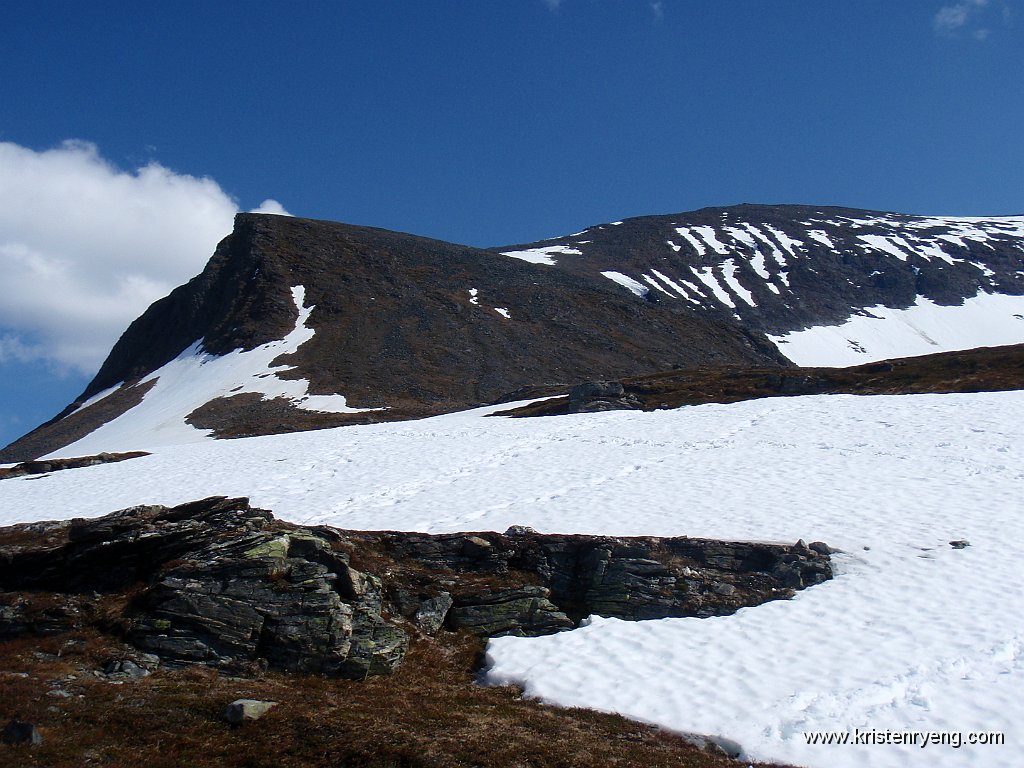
(596, 390)
(125, 668)
(247, 710)
(431, 613)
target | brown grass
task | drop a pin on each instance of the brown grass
(428, 714)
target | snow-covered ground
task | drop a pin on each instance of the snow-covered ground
(912, 635)
(881, 333)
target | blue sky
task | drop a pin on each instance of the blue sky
(483, 122)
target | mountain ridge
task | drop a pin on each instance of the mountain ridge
(298, 324)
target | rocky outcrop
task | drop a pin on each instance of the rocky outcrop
(524, 582)
(218, 583)
(596, 396)
(56, 465)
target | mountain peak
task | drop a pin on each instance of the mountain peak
(399, 326)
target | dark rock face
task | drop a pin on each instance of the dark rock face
(523, 611)
(223, 588)
(216, 582)
(564, 578)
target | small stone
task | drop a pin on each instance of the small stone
(18, 732)
(800, 545)
(474, 546)
(125, 668)
(724, 589)
(820, 547)
(247, 710)
(959, 543)
(431, 613)
(519, 530)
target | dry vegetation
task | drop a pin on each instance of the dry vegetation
(429, 714)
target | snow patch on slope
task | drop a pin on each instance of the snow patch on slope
(729, 275)
(707, 276)
(194, 378)
(880, 333)
(627, 282)
(545, 255)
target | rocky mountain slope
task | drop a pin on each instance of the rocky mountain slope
(297, 324)
(889, 285)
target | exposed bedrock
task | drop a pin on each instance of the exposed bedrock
(219, 583)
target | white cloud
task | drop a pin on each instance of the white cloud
(14, 349)
(658, 9)
(270, 206)
(85, 247)
(553, 5)
(950, 19)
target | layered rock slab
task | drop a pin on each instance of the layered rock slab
(218, 583)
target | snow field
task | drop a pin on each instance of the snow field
(911, 635)
(881, 333)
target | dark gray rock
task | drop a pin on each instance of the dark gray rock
(377, 647)
(259, 603)
(431, 613)
(596, 390)
(525, 612)
(519, 530)
(125, 668)
(960, 544)
(17, 732)
(598, 396)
